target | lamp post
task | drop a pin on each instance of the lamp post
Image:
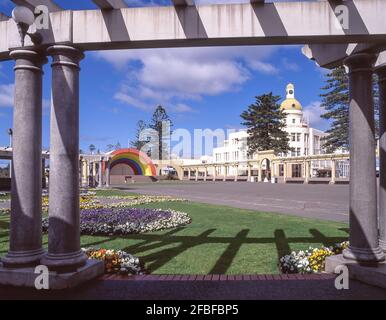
(24, 18)
(10, 133)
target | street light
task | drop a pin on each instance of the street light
(10, 132)
(24, 18)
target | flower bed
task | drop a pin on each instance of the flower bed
(116, 261)
(309, 261)
(89, 201)
(109, 221)
(5, 211)
(139, 200)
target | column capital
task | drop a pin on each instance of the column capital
(64, 55)
(28, 60)
(381, 73)
(360, 62)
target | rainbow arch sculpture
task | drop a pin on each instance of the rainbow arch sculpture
(138, 161)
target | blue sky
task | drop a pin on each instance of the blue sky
(199, 87)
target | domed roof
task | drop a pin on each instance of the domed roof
(290, 103)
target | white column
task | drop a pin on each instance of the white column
(108, 173)
(333, 171)
(100, 173)
(64, 251)
(381, 73)
(364, 242)
(25, 241)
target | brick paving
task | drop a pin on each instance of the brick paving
(205, 287)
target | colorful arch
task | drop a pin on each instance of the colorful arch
(138, 161)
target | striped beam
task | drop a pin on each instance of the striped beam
(110, 4)
(310, 22)
(51, 5)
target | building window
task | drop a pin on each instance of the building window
(293, 137)
(293, 120)
(298, 152)
(281, 170)
(296, 170)
(298, 135)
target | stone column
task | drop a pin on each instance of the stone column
(205, 173)
(189, 175)
(249, 172)
(259, 175)
(85, 173)
(25, 241)
(237, 172)
(93, 163)
(44, 182)
(214, 173)
(306, 165)
(80, 172)
(108, 174)
(333, 171)
(196, 176)
(381, 72)
(364, 244)
(64, 251)
(100, 173)
(224, 178)
(284, 172)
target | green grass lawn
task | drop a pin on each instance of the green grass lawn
(220, 240)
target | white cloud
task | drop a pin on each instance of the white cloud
(6, 95)
(182, 107)
(131, 101)
(312, 113)
(173, 76)
(290, 65)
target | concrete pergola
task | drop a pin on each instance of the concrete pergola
(275, 161)
(184, 24)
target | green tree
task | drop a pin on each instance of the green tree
(161, 130)
(335, 101)
(109, 147)
(138, 143)
(266, 122)
(92, 148)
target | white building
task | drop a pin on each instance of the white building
(304, 140)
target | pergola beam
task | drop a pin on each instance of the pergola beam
(332, 55)
(183, 2)
(312, 22)
(110, 4)
(3, 17)
(51, 5)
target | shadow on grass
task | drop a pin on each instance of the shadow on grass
(183, 243)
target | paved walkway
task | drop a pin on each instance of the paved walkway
(211, 287)
(328, 202)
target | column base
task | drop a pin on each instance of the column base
(373, 255)
(332, 182)
(20, 259)
(25, 277)
(373, 275)
(382, 245)
(65, 262)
